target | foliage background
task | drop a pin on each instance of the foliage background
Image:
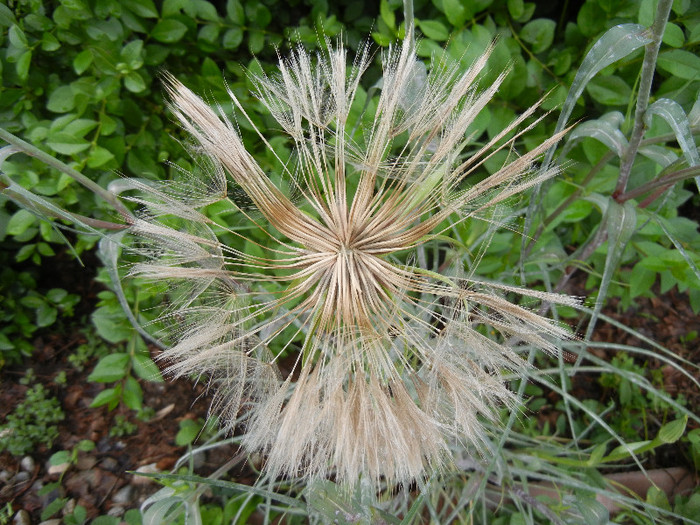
(80, 80)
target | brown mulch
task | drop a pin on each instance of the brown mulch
(101, 480)
(668, 320)
(99, 475)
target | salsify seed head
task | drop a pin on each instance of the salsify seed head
(391, 362)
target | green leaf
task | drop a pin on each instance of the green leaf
(258, 14)
(590, 19)
(5, 343)
(22, 65)
(49, 42)
(66, 144)
(132, 54)
(134, 82)
(82, 61)
(173, 7)
(110, 326)
(17, 37)
(539, 33)
(7, 17)
(434, 30)
(592, 511)
(387, 14)
(99, 156)
(110, 368)
(45, 249)
(209, 33)
(680, 63)
(132, 394)
(86, 445)
(673, 35)
(610, 90)
(169, 31)
(61, 100)
(597, 454)
(46, 315)
(516, 8)
(145, 368)
(60, 458)
(80, 127)
(20, 221)
(673, 431)
(32, 301)
(256, 41)
(189, 430)
(235, 12)
(383, 40)
(457, 12)
(232, 38)
(205, 10)
(108, 395)
(641, 280)
(141, 163)
(53, 507)
(142, 8)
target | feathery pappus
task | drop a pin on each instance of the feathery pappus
(379, 387)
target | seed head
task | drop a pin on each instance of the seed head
(392, 361)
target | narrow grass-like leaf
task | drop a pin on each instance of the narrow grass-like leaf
(109, 253)
(616, 43)
(662, 156)
(605, 130)
(672, 112)
(620, 222)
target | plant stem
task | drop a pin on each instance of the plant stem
(76, 218)
(24, 147)
(409, 20)
(651, 52)
(662, 182)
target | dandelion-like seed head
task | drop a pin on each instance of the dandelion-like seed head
(391, 362)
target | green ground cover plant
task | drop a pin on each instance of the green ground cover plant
(81, 83)
(31, 423)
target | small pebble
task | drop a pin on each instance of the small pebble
(86, 462)
(27, 463)
(22, 518)
(145, 469)
(116, 511)
(22, 477)
(58, 469)
(163, 412)
(5, 475)
(123, 495)
(69, 507)
(37, 486)
(109, 464)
